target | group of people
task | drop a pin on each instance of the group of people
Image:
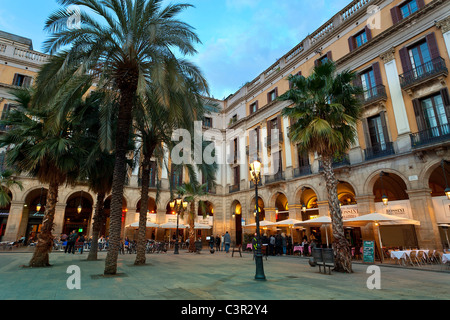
(77, 241)
(281, 244)
(221, 243)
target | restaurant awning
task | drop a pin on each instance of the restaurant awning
(148, 225)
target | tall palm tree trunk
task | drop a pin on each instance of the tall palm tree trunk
(343, 261)
(127, 86)
(145, 180)
(99, 219)
(191, 228)
(45, 240)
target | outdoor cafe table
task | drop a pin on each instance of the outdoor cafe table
(300, 248)
(446, 258)
(402, 254)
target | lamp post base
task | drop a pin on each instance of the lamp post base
(260, 276)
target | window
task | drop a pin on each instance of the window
(303, 159)
(376, 133)
(272, 95)
(409, 8)
(21, 80)
(207, 122)
(419, 54)
(254, 107)
(406, 9)
(324, 59)
(368, 83)
(360, 39)
(432, 114)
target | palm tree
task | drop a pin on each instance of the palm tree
(173, 103)
(193, 193)
(120, 41)
(324, 117)
(45, 150)
(7, 181)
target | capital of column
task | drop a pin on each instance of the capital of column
(388, 55)
(444, 25)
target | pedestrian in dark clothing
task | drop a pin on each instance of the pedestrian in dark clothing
(272, 245)
(81, 240)
(71, 240)
(278, 245)
(218, 243)
(227, 240)
(211, 242)
(265, 244)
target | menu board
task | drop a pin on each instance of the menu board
(368, 251)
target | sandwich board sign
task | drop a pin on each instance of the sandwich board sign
(369, 251)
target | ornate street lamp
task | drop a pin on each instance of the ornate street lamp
(384, 197)
(39, 206)
(178, 205)
(80, 207)
(255, 175)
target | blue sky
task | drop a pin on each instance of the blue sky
(240, 38)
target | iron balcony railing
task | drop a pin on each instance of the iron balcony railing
(379, 151)
(234, 188)
(338, 162)
(302, 171)
(373, 94)
(430, 136)
(279, 176)
(425, 71)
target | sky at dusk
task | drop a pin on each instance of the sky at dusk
(240, 38)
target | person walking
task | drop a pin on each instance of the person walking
(278, 245)
(272, 245)
(81, 240)
(212, 241)
(222, 241)
(217, 243)
(227, 240)
(71, 240)
(283, 243)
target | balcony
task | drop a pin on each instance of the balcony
(279, 176)
(431, 70)
(234, 188)
(373, 95)
(430, 136)
(338, 162)
(302, 171)
(379, 151)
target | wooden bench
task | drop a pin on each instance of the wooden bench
(237, 249)
(322, 257)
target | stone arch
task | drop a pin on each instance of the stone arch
(346, 193)
(74, 220)
(152, 205)
(427, 172)
(298, 192)
(373, 177)
(274, 196)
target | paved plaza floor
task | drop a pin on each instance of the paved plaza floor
(206, 276)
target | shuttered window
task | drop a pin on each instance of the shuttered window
(432, 113)
(420, 54)
(406, 9)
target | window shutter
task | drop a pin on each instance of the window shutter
(446, 100)
(377, 74)
(406, 62)
(15, 79)
(351, 43)
(420, 4)
(418, 113)
(316, 63)
(432, 45)
(257, 105)
(384, 126)
(279, 125)
(365, 124)
(396, 15)
(26, 82)
(276, 92)
(329, 56)
(368, 33)
(268, 128)
(268, 98)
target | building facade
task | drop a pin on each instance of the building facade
(400, 52)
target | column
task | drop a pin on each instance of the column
(287, 143)
(444, 25)
(422, 210)
(401, 119)
(15, 220)
(366, 204)
(324, 208)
